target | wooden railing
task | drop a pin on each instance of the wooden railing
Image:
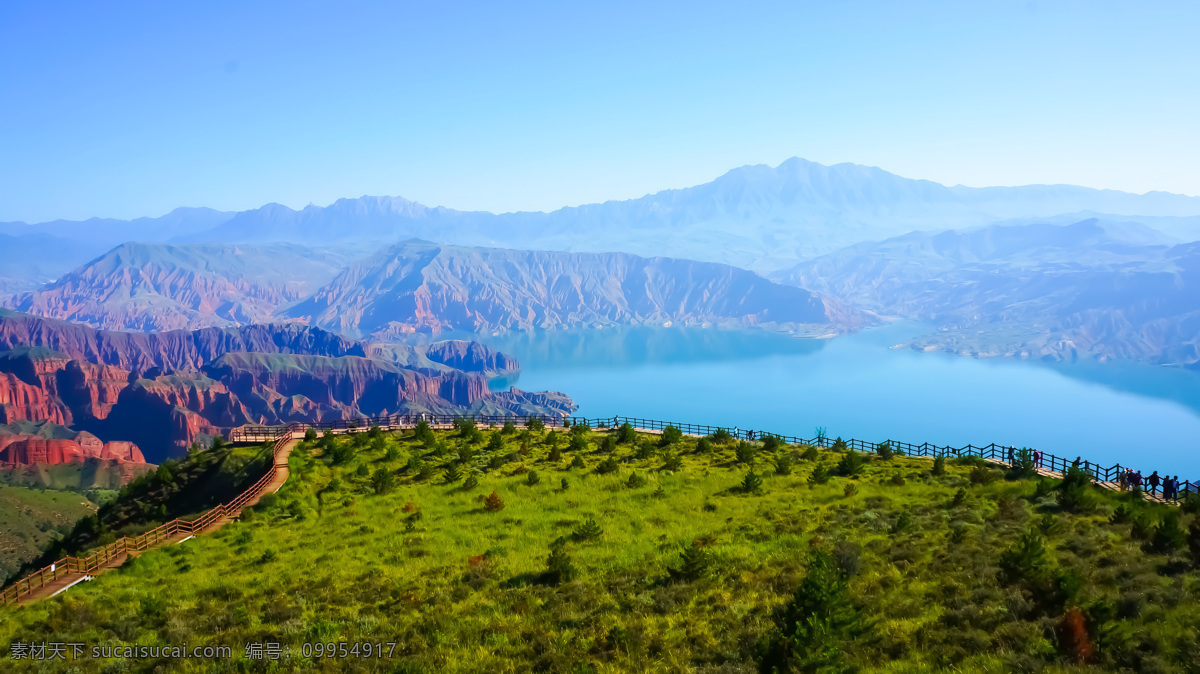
(990, 452)
(86, 566)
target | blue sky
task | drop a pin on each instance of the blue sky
(129, 109)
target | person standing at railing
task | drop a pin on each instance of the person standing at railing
(1153, 482)
(1037, 458)
(1012, 455)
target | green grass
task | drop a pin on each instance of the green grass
(926, 582)
(31, 519)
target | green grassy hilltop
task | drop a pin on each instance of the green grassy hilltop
(605, 551)
(31, 519)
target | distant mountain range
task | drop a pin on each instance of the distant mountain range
(756, 217)
(420, 287)
(1092, 289)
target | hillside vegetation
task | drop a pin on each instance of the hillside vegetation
(31, 519)
(589, 551)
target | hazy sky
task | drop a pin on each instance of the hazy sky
(128, 109)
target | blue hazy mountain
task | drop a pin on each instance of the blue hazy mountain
(759, 217)
(1092, 289)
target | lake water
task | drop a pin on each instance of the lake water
(857, 386)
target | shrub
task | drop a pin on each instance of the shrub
(588, 531)
(422, 432)
(608, 465)
(564, 485)
(673, 463)
(532, 478)
(1122, 514)
(783, 465)
(383, 480)
(559, 568)
(362, 470)
(820, 475)
(847, 555)
(670, 436)
(310, 435)
(896, 481)
(578, 443)
(626, 434)
(939, 465)
(752, 483)
(555, 455)
(1169, 536)
(1042, 488)
(810, 453)
(903, 523)
(425, 473)
(884, 451)
(392, 453)
(960, 497)
(1073, 492)
(659, 493)
(745, 452)
(267, 501)
(508, 429)
(635, 481)
(850, 490)
(493, 503)
(1190, 504)
(608, 445)
(339, 452)
(495, 443)
(581, 429)
(496, 461)
(453, 474)
(703, 446)
(471, 482)
(982, 475)
(578, 462)
(1027, 561)
(695, 563)
(535, 424)
(1025, 467)
(1073, 640)
(721, 436)
(1143, 526)
(851, 465)
(839, 445)
(770, 443)
(819, 625)
(645, 450)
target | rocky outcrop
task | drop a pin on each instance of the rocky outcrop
(25, 450)
(470, 356)
(20, 401)
(175, 350)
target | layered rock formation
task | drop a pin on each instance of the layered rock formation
(28, 450)
(162, 392)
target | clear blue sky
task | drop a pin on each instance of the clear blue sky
(127, 109)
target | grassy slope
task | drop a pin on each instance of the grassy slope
(30, 519)
(462, 589)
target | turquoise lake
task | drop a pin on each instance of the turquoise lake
(857, 386)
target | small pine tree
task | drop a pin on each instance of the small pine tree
(635, 481)
(422, 432)
(535, 424)
(578, 462)
(588, 531)
(695, 563)
(392, 453)
(425, 473)
(1025, 467)
(1169, 535)
(673, 462)
(721, 436)
(659, 493)
(565, 485)
(310, 435)
(703, 446)
(783, 465)
(960, 497)
(939, 465)
(608, 445)
(508, 428)
(839, 445)
(850, 490)
(493, 503)
(820, 475)
(532, 478)
(810, 453)
(752, 483)
(552, 438)
(362, 470)
(1193, 541)
(383, 480)
(555, 455)
(471, 482)
(903, 522)
(771, 443)
(608, 465)
(670, 436)
(578, 443)
(626, 434)
(851, 465)
(646, 450)
(453, 474)
(559, 568)
(1073, 492)
(744, 453)
(819, 624)
(884, 451)
(495, 443)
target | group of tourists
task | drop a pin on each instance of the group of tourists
(1012, 456)
(1133, 479)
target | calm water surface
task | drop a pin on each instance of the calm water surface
(857, 386)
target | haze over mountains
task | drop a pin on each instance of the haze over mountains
(756, 217)
(842, 243)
